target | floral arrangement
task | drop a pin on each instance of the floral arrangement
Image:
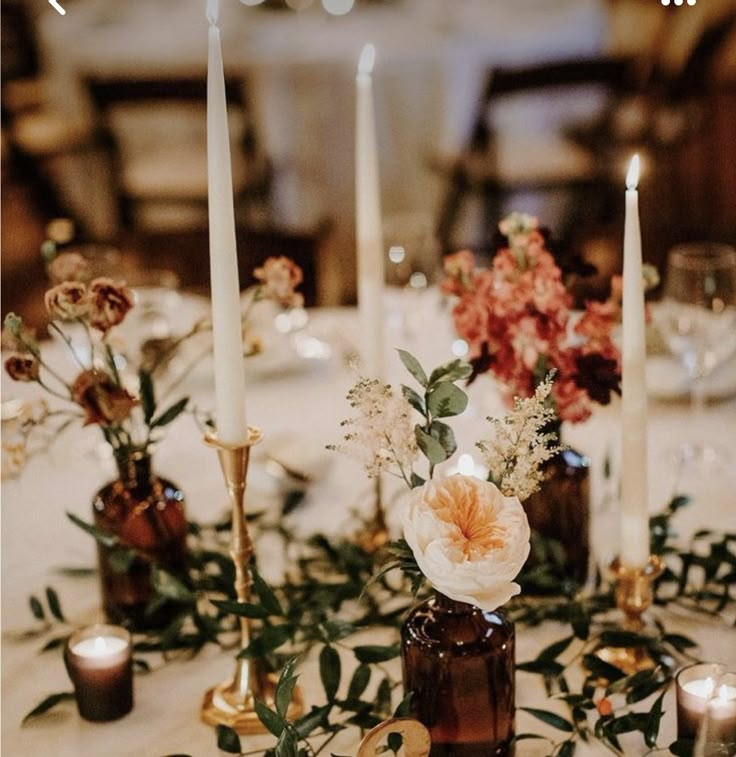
(516, 319)
(108, 389)
(469, 538)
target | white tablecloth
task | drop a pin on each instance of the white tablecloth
(37, 539)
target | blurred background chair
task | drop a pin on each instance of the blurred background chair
(568, 183)
(153, 133)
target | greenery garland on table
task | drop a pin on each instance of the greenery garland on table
(329, 581)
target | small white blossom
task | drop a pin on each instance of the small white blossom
(517, 224)
(518, 449)
(381, 435)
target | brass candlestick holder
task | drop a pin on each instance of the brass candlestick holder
(634, 594)
(231, 703)
(375, 534)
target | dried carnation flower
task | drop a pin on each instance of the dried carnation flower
(279, 277)
(23, 367)
(67, 300)
(102, 400)
(381, 435)
(109, 303)
(519, 448)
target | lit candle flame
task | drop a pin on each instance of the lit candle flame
(632, 176)
(367, 59)
(100, 645)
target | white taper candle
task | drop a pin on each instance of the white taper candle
(224, 282)
(369, 232)
(634, 486)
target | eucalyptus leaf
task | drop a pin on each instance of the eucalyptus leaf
(454, 370)
(412, 365)
(430, 447)
(445, 436)
(446, 400)
(414, 399)
(36, 608)
(359, 681)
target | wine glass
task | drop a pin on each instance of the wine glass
(698, 320)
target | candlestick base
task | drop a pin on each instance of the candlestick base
(634, 595)
(221, 706)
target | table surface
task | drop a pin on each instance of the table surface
(305, 404)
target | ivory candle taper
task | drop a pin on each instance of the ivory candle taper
(369, 232)
(634, 487)
(224, 282)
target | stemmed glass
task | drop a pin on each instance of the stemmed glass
(698, 319)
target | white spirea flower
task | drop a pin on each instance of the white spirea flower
(517, 223)
(381, 435)
(469, 540)
(518, 448)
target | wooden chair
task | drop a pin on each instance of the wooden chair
(565, 168)
(165, 173)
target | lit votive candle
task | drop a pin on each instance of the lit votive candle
(100, 663)
(706, 698)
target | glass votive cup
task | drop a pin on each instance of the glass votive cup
(99, 660)
(706, 705)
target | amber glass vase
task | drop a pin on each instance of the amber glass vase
(560, 510)
(459, 663)
(147, 514)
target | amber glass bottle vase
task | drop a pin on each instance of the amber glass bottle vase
(458, 661)
(147, 515)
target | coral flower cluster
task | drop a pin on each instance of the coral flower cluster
(516, 318)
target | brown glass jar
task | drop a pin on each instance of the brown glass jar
(147, 514)
(459, 663)
(560, 510)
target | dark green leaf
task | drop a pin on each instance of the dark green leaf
(372, 653)
(553, 651)
(148, 397)
(51, 701)
(430, 447)
(446, 400)
(679, 501)
(329, 671)
(542, 667)
(54, 643)
(168, 585)
(445, 436)
(265, 593)
(273, 722)
(454, 370)
(284, 694)
(414, 399)
(106, 539)
(601, 668)
(335, 630)
(678, 641)
(269, 639)
(287, 745)
(228, 740)
(141, 666)
(359, 682)
(567, 749)
(383, 698)
(313, 719)
(550, 718)
(683, 747)
(412, 365)
(624, 639)
(416, 481)
(241, 609)
(404, 708)
(170, 414)
(652, 727)
(36, 608)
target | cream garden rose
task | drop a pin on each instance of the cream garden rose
(469, 540)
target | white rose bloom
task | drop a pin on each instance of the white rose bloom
(468, 539)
